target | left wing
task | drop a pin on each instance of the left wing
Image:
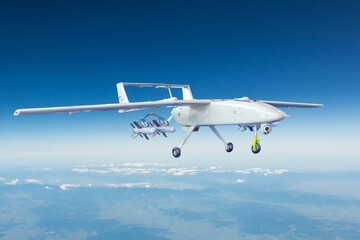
(134, 106)
(292, 104)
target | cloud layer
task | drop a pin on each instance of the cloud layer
(140, 175)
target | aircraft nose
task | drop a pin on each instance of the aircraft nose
(276, 115)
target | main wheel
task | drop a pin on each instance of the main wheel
(229, 147)
(257, 148)
(176, 152)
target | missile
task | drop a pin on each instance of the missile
(165, 129)
(150, 130)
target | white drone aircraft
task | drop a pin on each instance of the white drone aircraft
(190, 113)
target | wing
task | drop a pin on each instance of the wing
(117, 106)
(292, 104)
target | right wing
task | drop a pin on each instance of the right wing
(116, 106)
(292, 104)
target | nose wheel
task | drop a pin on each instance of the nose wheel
(255, 147)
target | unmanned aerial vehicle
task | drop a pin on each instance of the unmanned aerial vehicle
(190, 114)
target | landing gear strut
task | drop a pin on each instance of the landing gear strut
(255, 147)
(176, 151)
(228, 146)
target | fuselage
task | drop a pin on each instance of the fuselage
(227, 112)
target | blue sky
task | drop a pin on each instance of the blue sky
(74, 52)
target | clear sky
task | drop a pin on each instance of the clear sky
(59, 53)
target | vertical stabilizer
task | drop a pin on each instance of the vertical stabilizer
(121, 93)
(186, 92)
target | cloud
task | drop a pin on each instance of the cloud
(12, 182)
(240, 180)
(67, 186)
(182, 171)
(2, 179)
(261, 171)
(142, 170)
(142, 164)
(85, 170)
(157, 168)
(35, 181)
(129, 185)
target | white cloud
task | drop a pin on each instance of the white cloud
(280, 171)
(170, 171)
(35, 181)
(240, 180)
(12, 182)
(182, 171)
(2, 179)
(261, 171)
(129, 185)
(142, 164)
(157, 168)
(85, 170)
(67, 186)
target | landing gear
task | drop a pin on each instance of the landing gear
(176, 152)
(229, 147)
(255, 147)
